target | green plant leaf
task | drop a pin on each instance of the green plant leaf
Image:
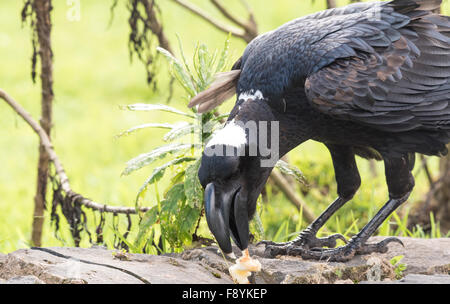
(186, 65)
(192, 186)
(278, 237)
(179, 130)
(148, 220)
(396, 259)
(158, 173)
(256, 226)
(291, 170)
(180, 209)
(145, 126)
(188, 218)
(158, 153)
(224, 55)
(156, 107)
(179, 72)
(203, 64)
(221, 116)
(123, 239)
(173, 196)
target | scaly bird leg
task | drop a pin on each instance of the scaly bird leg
(357, 245)
(307, 238)
(348, 180)
(399, 180)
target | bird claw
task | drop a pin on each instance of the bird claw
(305, 240)
(329, 241)
(380, 247)
(308, 239)
(271, 243)
(340, 254)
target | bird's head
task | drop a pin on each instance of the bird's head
(235, 165)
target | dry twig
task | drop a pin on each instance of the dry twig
(59, 169)
(281, 182)
(245, 30)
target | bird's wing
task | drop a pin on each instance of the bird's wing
(398, 78)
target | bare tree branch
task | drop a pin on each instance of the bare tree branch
(227, 14)
(331, 3)
(155, 26)
(249, 26)
(59, 169)
(41, 26)
(247, 32)
(219, 25)
(281, 182)
(427, 170)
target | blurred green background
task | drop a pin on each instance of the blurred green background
(93, 77)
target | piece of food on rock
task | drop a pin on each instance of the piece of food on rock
(243, 268)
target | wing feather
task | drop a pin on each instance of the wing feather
(398, 80)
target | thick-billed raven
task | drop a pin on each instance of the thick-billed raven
(368, 79)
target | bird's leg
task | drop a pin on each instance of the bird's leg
(307, 238)
(399, 180)
(348, 180)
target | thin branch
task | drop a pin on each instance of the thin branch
(155, 26)
(283, 185)
(227, 14)
(40, 16)
(331, 3)
(250, 27)
(241, 33)
(64, 180)
(427, 169)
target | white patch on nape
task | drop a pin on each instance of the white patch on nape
(231, 135)
(252, 94)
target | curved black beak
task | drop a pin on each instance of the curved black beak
(227, 215)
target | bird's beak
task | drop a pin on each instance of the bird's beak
(227, 215)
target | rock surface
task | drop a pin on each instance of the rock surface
(427, 260)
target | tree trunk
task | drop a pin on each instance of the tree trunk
(442, 212)
(331, 3)
(43, 27)
(436, 201)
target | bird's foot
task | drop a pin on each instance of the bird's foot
(340, 254)
(306, 239)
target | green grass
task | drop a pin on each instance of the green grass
(93, 78)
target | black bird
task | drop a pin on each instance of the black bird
(368, 79)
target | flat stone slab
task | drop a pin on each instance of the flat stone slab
(427, 260)
(418, 279)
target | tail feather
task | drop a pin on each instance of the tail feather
(223, 88)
